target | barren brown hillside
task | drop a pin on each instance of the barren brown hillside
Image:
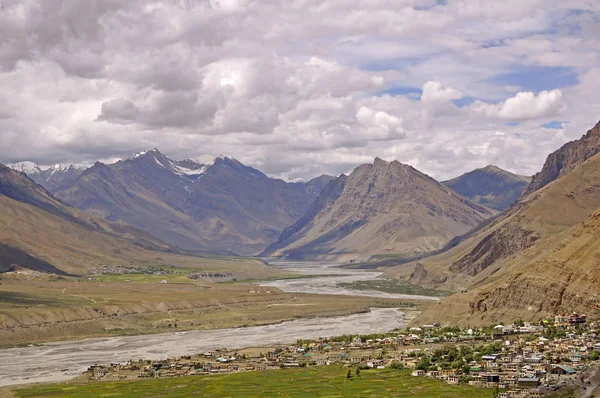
(39, 232)
(384, 208)
(543, 214)
(558, 276)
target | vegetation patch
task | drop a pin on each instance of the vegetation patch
(395, 286)
(322, 381)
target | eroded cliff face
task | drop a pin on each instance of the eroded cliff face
(499, 244)
(567, 279)
(566, 159)
(557, 275)
(529, 295)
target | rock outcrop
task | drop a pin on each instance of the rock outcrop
(566, 159)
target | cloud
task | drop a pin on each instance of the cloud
(523, 106)
(379, 124)
(297, 88)
(434, 92)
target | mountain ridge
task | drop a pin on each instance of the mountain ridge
(566, 158)
(353, 209)
(219, 205)
(490, 186)
(503, 260)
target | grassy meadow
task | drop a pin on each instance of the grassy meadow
(325, 381)
(395, 286)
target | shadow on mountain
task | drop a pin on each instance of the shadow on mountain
(11, 258)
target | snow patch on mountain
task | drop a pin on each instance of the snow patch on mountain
(26, 167)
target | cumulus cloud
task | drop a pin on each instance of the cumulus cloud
(296, 88)
(523, 106)
(380, 124)
(434, 92)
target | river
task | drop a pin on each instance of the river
(328, 283)
(65, 360)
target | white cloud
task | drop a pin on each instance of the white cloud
(434, 92)
(523, 106)
(380, 124)
(294, 87)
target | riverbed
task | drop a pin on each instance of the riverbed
(65, 360)
(328, 283)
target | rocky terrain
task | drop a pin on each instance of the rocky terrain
(490, 186)
(219, 206)
(559, 275)
(532, 258)
(385, 209)
(39, 232)
(566, 159)
(52, 178)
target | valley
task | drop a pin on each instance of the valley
(159, 320)
(35, 308)
(315, 198)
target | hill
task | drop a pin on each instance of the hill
(385, 209)
(221, 205)
(503, 264)
(566, 159)
(42, 234)
(490, 186)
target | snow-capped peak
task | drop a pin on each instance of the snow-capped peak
(63, 168)
(26, 167)
(204, 159)
(154, 152)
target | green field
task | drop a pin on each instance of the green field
(395, 286)
(326, 381)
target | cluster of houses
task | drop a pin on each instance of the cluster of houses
(121, 270)
(515, 359)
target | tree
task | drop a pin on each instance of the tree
(594, 355)
(423, 364)
(348, 374)
(357, 372)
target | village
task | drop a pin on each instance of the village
(521, 360)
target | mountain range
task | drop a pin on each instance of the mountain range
(41, 233)
(219, 205)
(52, 178)
(380, 209)
(531, 260)
(508, 249)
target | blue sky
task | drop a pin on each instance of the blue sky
(300, 88)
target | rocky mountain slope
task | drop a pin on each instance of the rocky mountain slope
(41, 233)
(52, 178)
(559, 275)
(566, 159)
(519, 246)
(490, 186)
(386, 209)
(220, 205)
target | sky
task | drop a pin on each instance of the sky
(298, 88)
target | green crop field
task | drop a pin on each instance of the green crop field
(323, 381)
(395, 286)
